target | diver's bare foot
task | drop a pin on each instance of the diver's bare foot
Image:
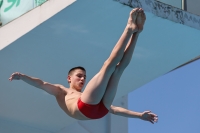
(131, 25)
(140, 20)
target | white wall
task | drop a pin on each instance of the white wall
(193, 6)
(175, 3)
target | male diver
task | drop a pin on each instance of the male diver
(96, 100)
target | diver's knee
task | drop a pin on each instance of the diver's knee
(109, 66)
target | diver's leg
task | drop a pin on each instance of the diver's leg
(96, 87)
(114, 80)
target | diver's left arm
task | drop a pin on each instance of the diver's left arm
(146, 115)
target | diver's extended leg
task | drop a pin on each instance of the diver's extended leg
(114, 80)
(96, 87)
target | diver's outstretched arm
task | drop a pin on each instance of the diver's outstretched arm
(146, 115)
(53, 89)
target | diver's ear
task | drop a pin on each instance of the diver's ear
(69, 79)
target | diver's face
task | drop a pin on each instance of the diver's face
(77, 79)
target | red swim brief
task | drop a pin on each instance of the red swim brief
(92, 111)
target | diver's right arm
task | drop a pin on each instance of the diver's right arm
(53, 89)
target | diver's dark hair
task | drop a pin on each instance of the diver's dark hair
(75, 68)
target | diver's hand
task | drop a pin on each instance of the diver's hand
(15, 76)
(148, 116)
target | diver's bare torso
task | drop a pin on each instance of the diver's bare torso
(68, 102)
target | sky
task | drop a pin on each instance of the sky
(174, 97)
